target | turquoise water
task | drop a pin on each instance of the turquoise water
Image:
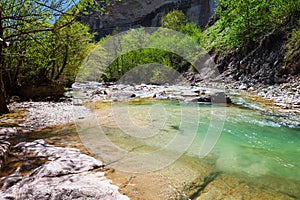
(250, 144)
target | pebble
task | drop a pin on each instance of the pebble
(42, 114)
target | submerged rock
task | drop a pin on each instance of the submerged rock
(228, 187)
(220, 185)
(68, 174)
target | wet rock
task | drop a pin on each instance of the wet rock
(68, 174)
(160, 95)
(217, 98)
(205, 99)
(188, 93)
(10, 180)
(281, 101)
(77, 102)
(100, 92)
(220, 98)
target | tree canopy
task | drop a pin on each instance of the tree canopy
(243, 23)
(37, 39)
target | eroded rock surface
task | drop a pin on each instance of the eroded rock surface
(68, 174)
(130, 13)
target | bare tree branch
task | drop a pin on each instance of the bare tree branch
(39, 30)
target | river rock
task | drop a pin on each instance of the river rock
(68, 174)
(181, 93)
(42, 114)
(4, 150)
(6, 133)
(124, 95)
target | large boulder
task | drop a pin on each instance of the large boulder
(67, 174)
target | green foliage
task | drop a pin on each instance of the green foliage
(174, 20)
(41, 42)
(243, 23)
(173, 51)
(292, 57)
(193, 30)
(52, 56)
(153, 66)
(177, 21)
(167, 51)
(31, 44)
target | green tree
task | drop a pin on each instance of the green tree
(22, 22)
(243, 23)
(146, 50)
(66, 48)
(174, 20)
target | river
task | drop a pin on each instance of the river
(146, 135)
(230, 150)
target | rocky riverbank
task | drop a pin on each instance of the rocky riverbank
(183, 93)
(64, 173)
(279, 101)
(73, 165)
(284, 95)
(44, 171)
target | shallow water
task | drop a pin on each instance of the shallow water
(251, 146)
(239, 141)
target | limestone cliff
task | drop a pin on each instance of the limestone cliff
(133, 13)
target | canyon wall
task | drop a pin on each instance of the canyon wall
(134, 13)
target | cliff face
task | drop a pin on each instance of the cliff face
(133, 13)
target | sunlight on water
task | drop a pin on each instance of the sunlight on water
(249, 144)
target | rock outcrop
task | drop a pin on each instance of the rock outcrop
(66, 174)
(134, 13)
(264, 64)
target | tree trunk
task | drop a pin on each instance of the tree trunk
(64, 63)
(3, 105)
